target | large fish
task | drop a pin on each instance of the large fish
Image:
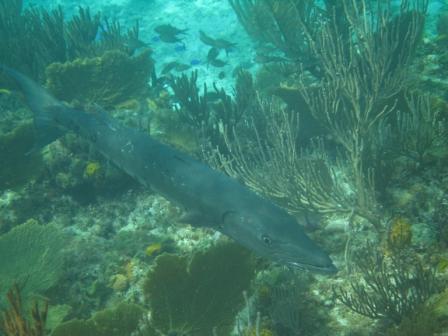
(209, 197)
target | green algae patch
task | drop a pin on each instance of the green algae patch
(121, 320)
(18, 165)
(200, 296)
(108, 80)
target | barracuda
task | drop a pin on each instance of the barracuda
(209, 197)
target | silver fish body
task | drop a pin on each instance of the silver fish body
(210, 197)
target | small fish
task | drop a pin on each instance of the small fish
(180, 48)
(179, 67)
(217, 43)
(170, 39)
(182, 67)
(136, 47)
(212, 54)
(206, 39)
(168, 33)
(153, 249)
(222, 75)
(224, 44)
(136, 44)
(167, 29)
(262, 58)
(168, 67)
(195, 62)
(217, 63)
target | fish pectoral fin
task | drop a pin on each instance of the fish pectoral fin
(195, 218)
(48, 129)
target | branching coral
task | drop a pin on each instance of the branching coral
(49, 28)
(82, 31)
(31, 38)
(390, 288)
(273, 22)
(363, 52)
(421, 128)
(292, 309)
(361, 77)
(194, 109)
(17, 44)
(212, 115)
(34, 38)
(269, 160)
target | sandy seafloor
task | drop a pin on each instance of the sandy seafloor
(138, 209)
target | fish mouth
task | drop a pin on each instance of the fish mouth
(330, 269)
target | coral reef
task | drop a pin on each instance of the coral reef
(92, 169)
(344, 126)
(212, 112)
(300, 180)
(107, 80)
(289, 308)
(201, 295)
(431, 318)
(277, 23)
(121, 320)
(349, 96)
(33, 38)
(391, 289)
(400, 233)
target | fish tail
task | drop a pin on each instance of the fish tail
(44, 106)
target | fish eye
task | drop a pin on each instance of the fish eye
(266, 239)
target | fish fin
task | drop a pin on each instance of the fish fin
(47, 129)
(310, 220)
(44, 107)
